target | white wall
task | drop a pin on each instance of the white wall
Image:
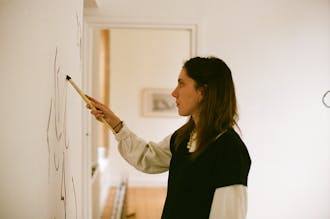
(30, 185)
(279, 55)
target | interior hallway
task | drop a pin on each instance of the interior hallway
(142, 203)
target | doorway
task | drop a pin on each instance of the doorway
(139, 56)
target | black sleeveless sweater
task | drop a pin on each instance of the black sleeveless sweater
(192, 182)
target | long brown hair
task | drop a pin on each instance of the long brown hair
(218, 109)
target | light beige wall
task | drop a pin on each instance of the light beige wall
(40, 114)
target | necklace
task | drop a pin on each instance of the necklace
(191, 146)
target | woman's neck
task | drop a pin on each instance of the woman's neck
(195, 120)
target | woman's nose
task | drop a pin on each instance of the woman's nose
(174, 93)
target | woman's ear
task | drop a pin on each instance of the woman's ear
(202, 90)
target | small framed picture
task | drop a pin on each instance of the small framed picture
(158, 102)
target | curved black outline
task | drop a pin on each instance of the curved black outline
(323, 99)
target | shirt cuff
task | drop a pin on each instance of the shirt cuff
(123, 133)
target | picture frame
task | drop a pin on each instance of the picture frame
(158, 102)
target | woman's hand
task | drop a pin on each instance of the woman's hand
(102, 111)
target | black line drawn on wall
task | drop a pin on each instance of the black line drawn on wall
(63, 202)
(75, 196)
(63, 187)
(48, 143)
(78, 37)
(58, 146)
(78, 33)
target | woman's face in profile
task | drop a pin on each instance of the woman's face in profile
(187, 96)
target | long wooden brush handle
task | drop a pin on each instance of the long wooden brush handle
(81, 93)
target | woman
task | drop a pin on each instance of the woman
(208, 162)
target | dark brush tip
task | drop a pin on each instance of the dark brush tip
(68, 77)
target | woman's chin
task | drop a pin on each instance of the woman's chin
(181, 113)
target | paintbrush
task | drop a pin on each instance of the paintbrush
(68, 78)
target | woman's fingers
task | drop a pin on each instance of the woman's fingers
(98, 105)
(94, 101)
(98, 114)
(99, 117)
(90, 98)
(98, 109)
